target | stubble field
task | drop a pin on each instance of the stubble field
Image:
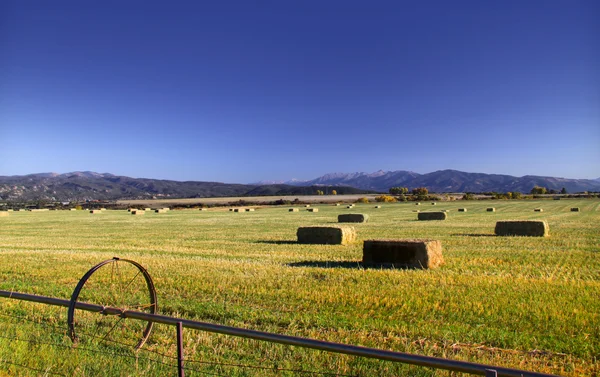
(521, 302)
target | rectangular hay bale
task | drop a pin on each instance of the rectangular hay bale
(575, 209)
(432, 216)
(491, 209)
(160, 210)
(377, 206)
(95, 211)
(462, 210)
(293, 210)
(531, 228)
(137, 212)
(538, 210)
(313, 210)
(411, 253)
(326, 235)
(353, 218)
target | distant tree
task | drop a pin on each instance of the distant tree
(552, 191)
(385, 199)
(420, 191)
(537, 190)
(362, 200)
(398, 190)
(468, 196)
(319, 192)
(563, 191)
(516, 195)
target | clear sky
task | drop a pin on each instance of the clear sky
(241, 91)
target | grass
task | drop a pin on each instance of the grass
(521, 302)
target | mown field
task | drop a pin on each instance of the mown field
(528, 303)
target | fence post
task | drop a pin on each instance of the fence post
(180, 371)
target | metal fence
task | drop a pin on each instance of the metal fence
(150, 317)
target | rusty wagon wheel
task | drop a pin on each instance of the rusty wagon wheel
(116, 283)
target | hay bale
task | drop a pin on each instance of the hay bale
(353, 218)
(538, 210)
(160, 210)
(230, 209)
(462, 210)
(411, 253)
(313, 210)
(238, 210)
(326, 235)
(129, 209)
(294, 210)
(4, 213)
(147, 209)
(102, 209)
(337, 204)
(73, 209)
(491, 209)
(416, 210)
(308, 205)
(350, 206)
(94, 211)
(432, 216)
(433, 204)
(417, 204)
(250, 210)
(137, 212)
(575, 209)
(531, 228)
(377, 206)
(202, 209)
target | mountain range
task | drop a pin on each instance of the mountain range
(450, 181)
(87, 185)
(80, 186)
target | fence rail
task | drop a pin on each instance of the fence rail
(425, 361)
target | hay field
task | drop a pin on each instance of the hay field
(522, 302)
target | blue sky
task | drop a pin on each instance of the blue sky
(246, 91)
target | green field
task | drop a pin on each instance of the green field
(521, 302)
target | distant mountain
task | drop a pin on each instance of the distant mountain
(452, 181)
(88, 185)
(78, 186)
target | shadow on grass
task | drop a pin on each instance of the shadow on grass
(474, 235)
(347, 264)
(276, 242)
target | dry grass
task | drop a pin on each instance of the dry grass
(522, 302)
